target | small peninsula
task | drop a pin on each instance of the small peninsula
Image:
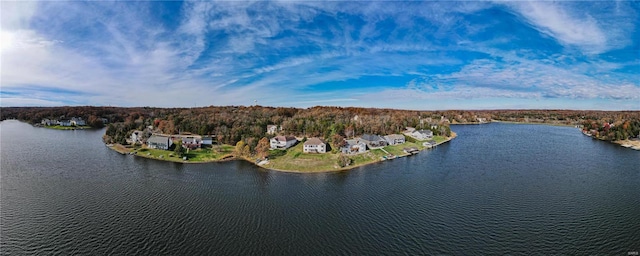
(312, 139)
(292, 159)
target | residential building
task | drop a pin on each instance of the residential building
(394, 139)
(136, 136)
(282, 142)
(314, 145)
(354, 146)
(373, 141)
(65, 123)
(273, 129)
(207, 140)
(422, 134)
(159, 142)
(48, 122)
(191, 142)
(77, 121)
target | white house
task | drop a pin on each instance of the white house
(65, 123)
(394, 139)
(191, 142)
(422, 134)
(136, 136)
(159, 142)
(207, 140)
(354, 146)
(314, 145)
(77, 121)
(273, 129)
(282, 142)
(48, 122)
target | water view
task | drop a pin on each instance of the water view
(495, 189)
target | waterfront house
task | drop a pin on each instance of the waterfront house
(429, 143)
(48, 122)
(282, 142)
(136, 136)
(159, 142)
(373, 141)
(394, 139)
(207, 140)
(354, 146)
(314, 145)
(77, 121)
(65, 123)
(191, 142)
(422, 134)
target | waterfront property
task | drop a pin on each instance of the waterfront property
(394, 139)
(207, 140)
(159, 142)
(373, 141)
(77, 121)
(282, 142)
(429, 143)
(191, 142)
(354, 146)
(422, 134)
(49, 122)
(65, 122)
(314, 145)
(136, 137)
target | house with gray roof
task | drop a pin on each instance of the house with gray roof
(159, 142)
(422, 134)
(354, 146)
(394, 139)
(373, 141)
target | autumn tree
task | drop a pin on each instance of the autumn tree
(246, 151)
(262, 149)
(239, 148)
(179, 150)
(337, 141)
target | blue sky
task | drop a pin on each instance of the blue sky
(396, 54)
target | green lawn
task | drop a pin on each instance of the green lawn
(398, 150)
(58, 127)
(198, 155)
(295, 160)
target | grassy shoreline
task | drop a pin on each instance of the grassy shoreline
(514, 122)
(204, 155)
(59, 127)
(293, 161)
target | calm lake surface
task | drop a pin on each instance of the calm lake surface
(496, 189)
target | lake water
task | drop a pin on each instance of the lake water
(496, 189)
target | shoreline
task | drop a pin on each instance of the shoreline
(346, 168)
(515, 122)
(121, 149)
(630, 144)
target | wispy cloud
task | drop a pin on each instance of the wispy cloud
(310, 53)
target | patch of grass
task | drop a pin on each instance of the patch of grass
(58, 127)
(197, 155)
(296, 160)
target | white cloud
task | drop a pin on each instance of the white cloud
(571, 25)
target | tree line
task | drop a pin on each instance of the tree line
(232, 124)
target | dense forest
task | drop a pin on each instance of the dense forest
(230, 124)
